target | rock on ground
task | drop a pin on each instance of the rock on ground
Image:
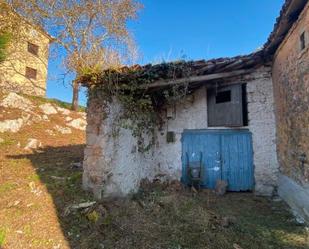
(33, 144)
(48, 109)
(35, 118)
(78, 123)
(221, 186)
(68, 119)
(13, 100)
(64, 111)
(63, 130)
(50, 132)
(78, 165)
(13, 125)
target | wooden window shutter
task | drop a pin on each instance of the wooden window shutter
(225, 106)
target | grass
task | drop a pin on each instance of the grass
(32, 202)
(41, 100)
(172, 219)
(158, 216)
(2, 237)
(6, 188)
(6, 142)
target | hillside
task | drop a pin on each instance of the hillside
(43, 205)
(41, 150)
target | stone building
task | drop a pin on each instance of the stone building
(119, 157)
(25, 67)
(244, 120)
(290, 72)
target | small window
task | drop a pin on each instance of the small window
(302, 39)
(227, 106)
(223, 97)
(33, 49)
(31, 73)
(170, 137)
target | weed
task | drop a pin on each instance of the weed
(34, 177)
(75, 178)
(107, 220)
(2, 237)
(93, 216)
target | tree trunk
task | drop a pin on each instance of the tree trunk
(74, 106)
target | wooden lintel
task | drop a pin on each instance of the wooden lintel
(201, 78)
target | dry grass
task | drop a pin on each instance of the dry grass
(37, 187)
(165, 218)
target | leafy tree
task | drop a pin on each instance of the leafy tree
(93, 33)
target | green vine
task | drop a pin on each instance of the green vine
(141, 106)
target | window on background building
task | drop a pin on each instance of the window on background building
(33, 49)
(31, 73)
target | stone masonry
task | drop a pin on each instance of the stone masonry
(291, 87)
(114, 167)
(19, 60)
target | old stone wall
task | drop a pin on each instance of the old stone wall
(13, 69)
(291, 88)
(113, 166)
(262, 125)
(291, 84)
(190, 113)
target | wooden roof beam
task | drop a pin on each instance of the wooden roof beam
(208, 77)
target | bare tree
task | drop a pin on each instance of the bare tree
(93, 33)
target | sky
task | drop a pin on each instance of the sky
(169, 30)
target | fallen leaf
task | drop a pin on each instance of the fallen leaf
(236, 246)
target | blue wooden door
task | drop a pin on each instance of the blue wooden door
(223, 154)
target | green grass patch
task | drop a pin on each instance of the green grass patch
(6, 143)
(2, 237)
(7, 140)
(75, 178)
(19, 162)
(7, 187)
(34, 177)
(41, 100)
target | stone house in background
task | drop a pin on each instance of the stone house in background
(246, 121)
(25, 67)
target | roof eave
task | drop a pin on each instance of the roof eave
(288, 15)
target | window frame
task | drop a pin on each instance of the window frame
(31, 73)
(33, 48)
(233, 113)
